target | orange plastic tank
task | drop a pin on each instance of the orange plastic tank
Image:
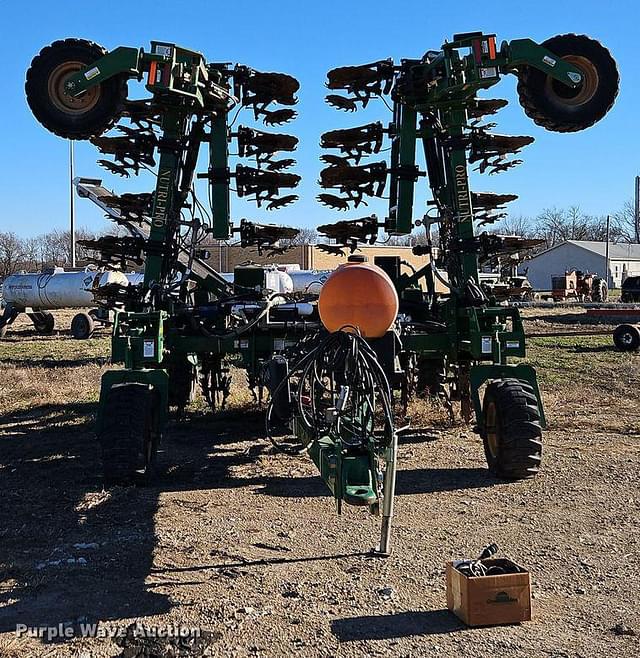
(360, 295)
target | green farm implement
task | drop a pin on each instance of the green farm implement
(339, 394)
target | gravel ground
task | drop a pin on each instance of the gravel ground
(245, 544)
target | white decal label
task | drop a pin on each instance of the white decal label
(91, 73)
(513, 344)
(487, 345)
(490, 72)
(549, 61)
(148, 349)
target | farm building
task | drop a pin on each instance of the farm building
(308, 256)
(312, 257)
(624, 260)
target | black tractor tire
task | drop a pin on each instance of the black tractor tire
(511, 430)
(599, 291)
(43, 322)
(554, 105)
(82, 326)
(129, 436)
(83, 117)
(626, 337)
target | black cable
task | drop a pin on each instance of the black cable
(341, 364)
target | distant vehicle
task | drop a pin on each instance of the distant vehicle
(579, 286)
(37, 293)
(513, 289)
(626, 337)
(630, 291)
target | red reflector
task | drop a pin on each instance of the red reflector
(152, 73)
(492, 47)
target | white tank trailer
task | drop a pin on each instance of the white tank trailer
(38, 293)
(55, 289)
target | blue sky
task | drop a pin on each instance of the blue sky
(594, 168)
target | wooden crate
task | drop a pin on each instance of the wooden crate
(489, 600)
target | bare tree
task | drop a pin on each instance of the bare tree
(555, 225)
(12, 253)
(83, 234)
(305, 236)
(627, 223)
(520, 225)
(399, 241)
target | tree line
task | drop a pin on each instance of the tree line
(555, 225)
(552, 226)
(52, 249)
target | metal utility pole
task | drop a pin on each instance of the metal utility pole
(636, 214)
(606, 253)
(72, 206)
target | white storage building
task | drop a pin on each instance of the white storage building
(624, 261)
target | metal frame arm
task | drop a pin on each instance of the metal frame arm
(525, 52)
(118, 61)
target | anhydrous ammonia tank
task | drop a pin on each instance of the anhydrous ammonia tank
(359, 295)
(56, 288)
(308, 281)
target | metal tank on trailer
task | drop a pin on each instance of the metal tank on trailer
(38, 293)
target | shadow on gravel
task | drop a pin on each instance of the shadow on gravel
(432, 480)
(570, 318)
(70, 552)
(592, 349)
(410, 481)
(262, 562)
(418, 435)
(43, 417)
(402, 624)
(73, 553)
(58, 363)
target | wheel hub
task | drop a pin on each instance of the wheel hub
(61, 99)
(626, 338)
(582, 94)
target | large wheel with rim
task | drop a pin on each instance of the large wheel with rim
(129, 435)
(81, 117)
(82, 326)
(556, 106)
(626, 337)
(43, 322)
(599, 290)
(511, 429)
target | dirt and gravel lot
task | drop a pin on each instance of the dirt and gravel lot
(245, 544)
